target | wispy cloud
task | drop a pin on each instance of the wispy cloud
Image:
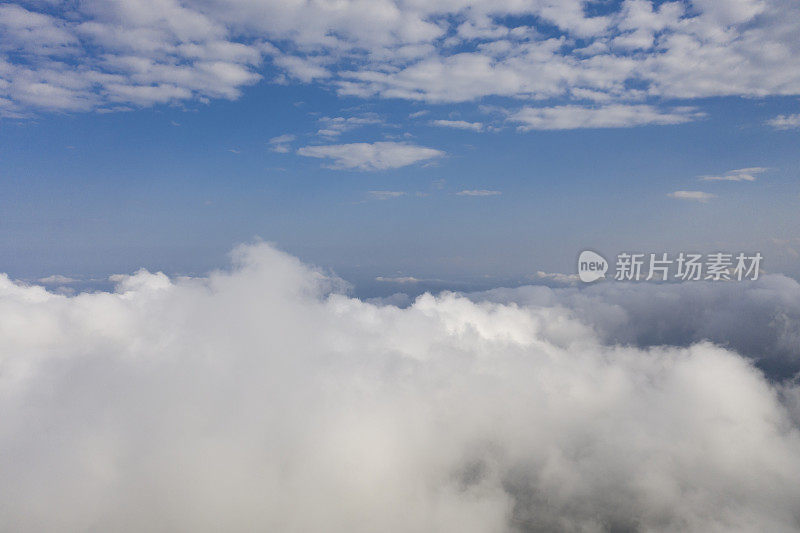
(335, 126)
(282, 139)
(458, 124)
(569, 117)
(556, 277)
(385, 195)
(478, 192)
(697, 196)
(741, 174)
(57, 279)
(371, 156)
(281, 143)
(401, 279)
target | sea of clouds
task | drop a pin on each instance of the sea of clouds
(263, 398)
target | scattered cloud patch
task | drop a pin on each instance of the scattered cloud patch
(556, 277)
(371, 156)
(78, 56)
(385, 195)
(570, 117)
(401, 279)
(696, 196)
(281, 143)
(296, 68)
(785, 122)
(478, 192)
(458, 124)
(57, 279)
(335, 126)
(741, 174)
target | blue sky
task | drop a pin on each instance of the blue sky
(479, 160)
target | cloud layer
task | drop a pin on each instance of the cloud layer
(89, 54)
(263, 398)
(759, 320)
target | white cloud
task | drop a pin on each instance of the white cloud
(243, 400)
(371, 156)
(302, 69)
(95, 55)
(102, 54)
(401, 279)
(556, 277)
(35, 33)
(283, 139)
(385, 195)
(478, 192)
(609, 116)
(741, 316)
(682, 50)
(335, 126)
(741, 174)
(57, 279)
(785, 122)
(281, 143)
(697, 196)
(458, 124)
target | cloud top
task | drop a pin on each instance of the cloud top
(262, 397)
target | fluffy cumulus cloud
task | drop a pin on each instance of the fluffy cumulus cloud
(759, 320)
(87, 54)
(83, 55)
(371, 156)
(262, 398)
